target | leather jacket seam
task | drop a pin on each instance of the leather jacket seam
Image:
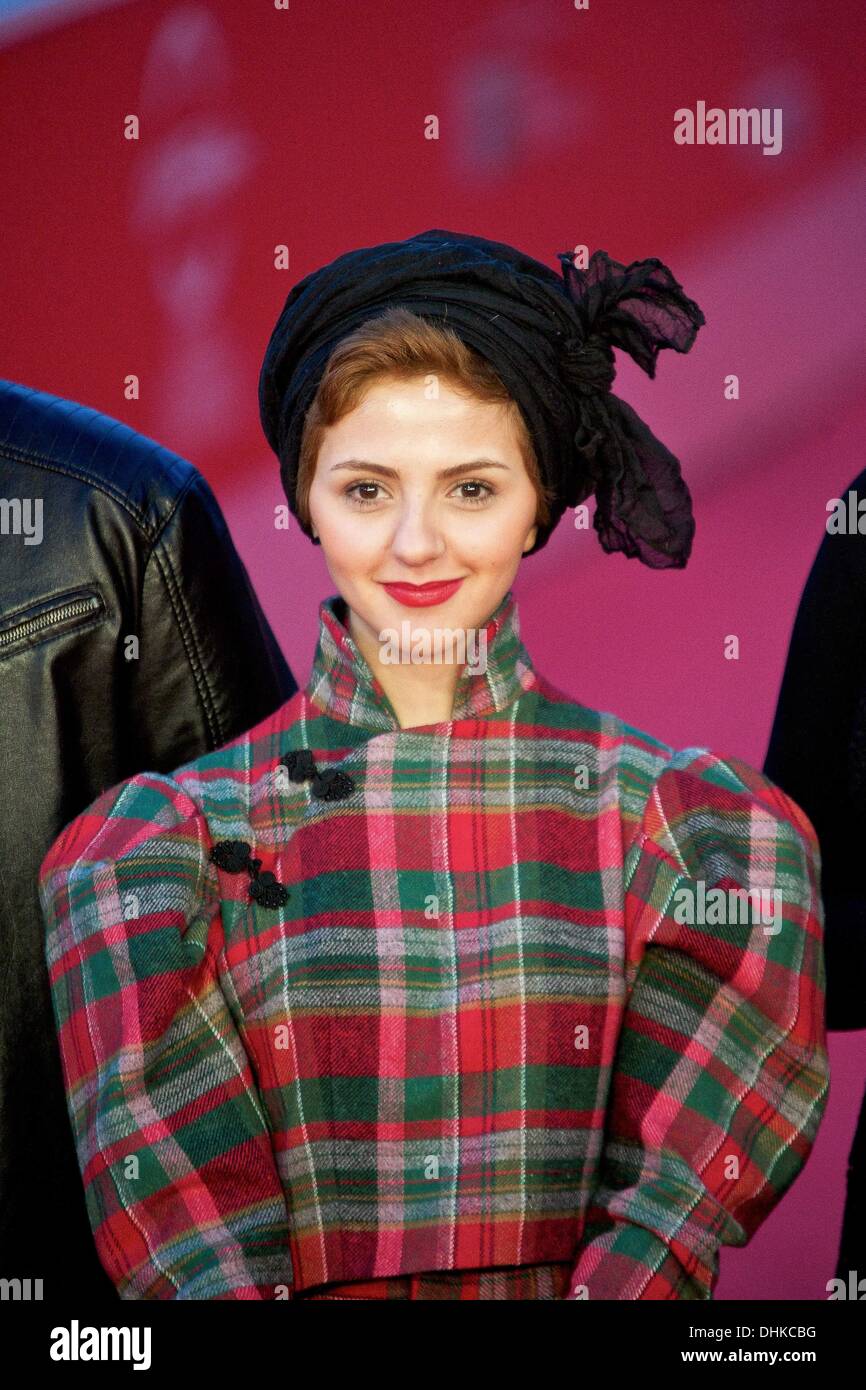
(186, 627)
(97, 483)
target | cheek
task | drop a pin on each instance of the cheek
(485, 552)
(349, 541)
(497, 535)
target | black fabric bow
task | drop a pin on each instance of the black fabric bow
(234, 856)
(643, 506)
(328, 785)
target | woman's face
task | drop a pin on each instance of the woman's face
(421, 483)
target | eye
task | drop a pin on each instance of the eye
(356, 499)
(477, 499)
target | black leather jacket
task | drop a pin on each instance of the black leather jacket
(130, 639)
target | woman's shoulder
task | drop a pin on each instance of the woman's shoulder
(643, 770)
(149, 820)
(131, 866)
(615, 748)
(560, 710)
(184, 806)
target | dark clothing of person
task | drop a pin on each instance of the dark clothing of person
(109, 543)
(817, 754)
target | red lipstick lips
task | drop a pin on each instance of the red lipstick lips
(423, 595)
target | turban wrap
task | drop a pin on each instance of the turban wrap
(550, 339)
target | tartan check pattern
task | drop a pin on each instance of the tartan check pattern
(475, 1054)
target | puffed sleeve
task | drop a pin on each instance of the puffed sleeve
(720, 1077)
(179, 1175)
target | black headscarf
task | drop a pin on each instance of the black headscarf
(549, 337)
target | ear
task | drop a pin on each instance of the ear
(530, 539)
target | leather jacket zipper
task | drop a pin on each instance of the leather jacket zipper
(73, 609)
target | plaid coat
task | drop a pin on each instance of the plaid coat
(350, 1010)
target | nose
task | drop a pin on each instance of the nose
(417, 534)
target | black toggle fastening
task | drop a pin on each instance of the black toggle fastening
(234, 856)
(331, 784)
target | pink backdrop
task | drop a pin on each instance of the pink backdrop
(305, 127)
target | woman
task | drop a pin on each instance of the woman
(412, 991)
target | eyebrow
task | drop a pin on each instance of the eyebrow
(473, 465)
